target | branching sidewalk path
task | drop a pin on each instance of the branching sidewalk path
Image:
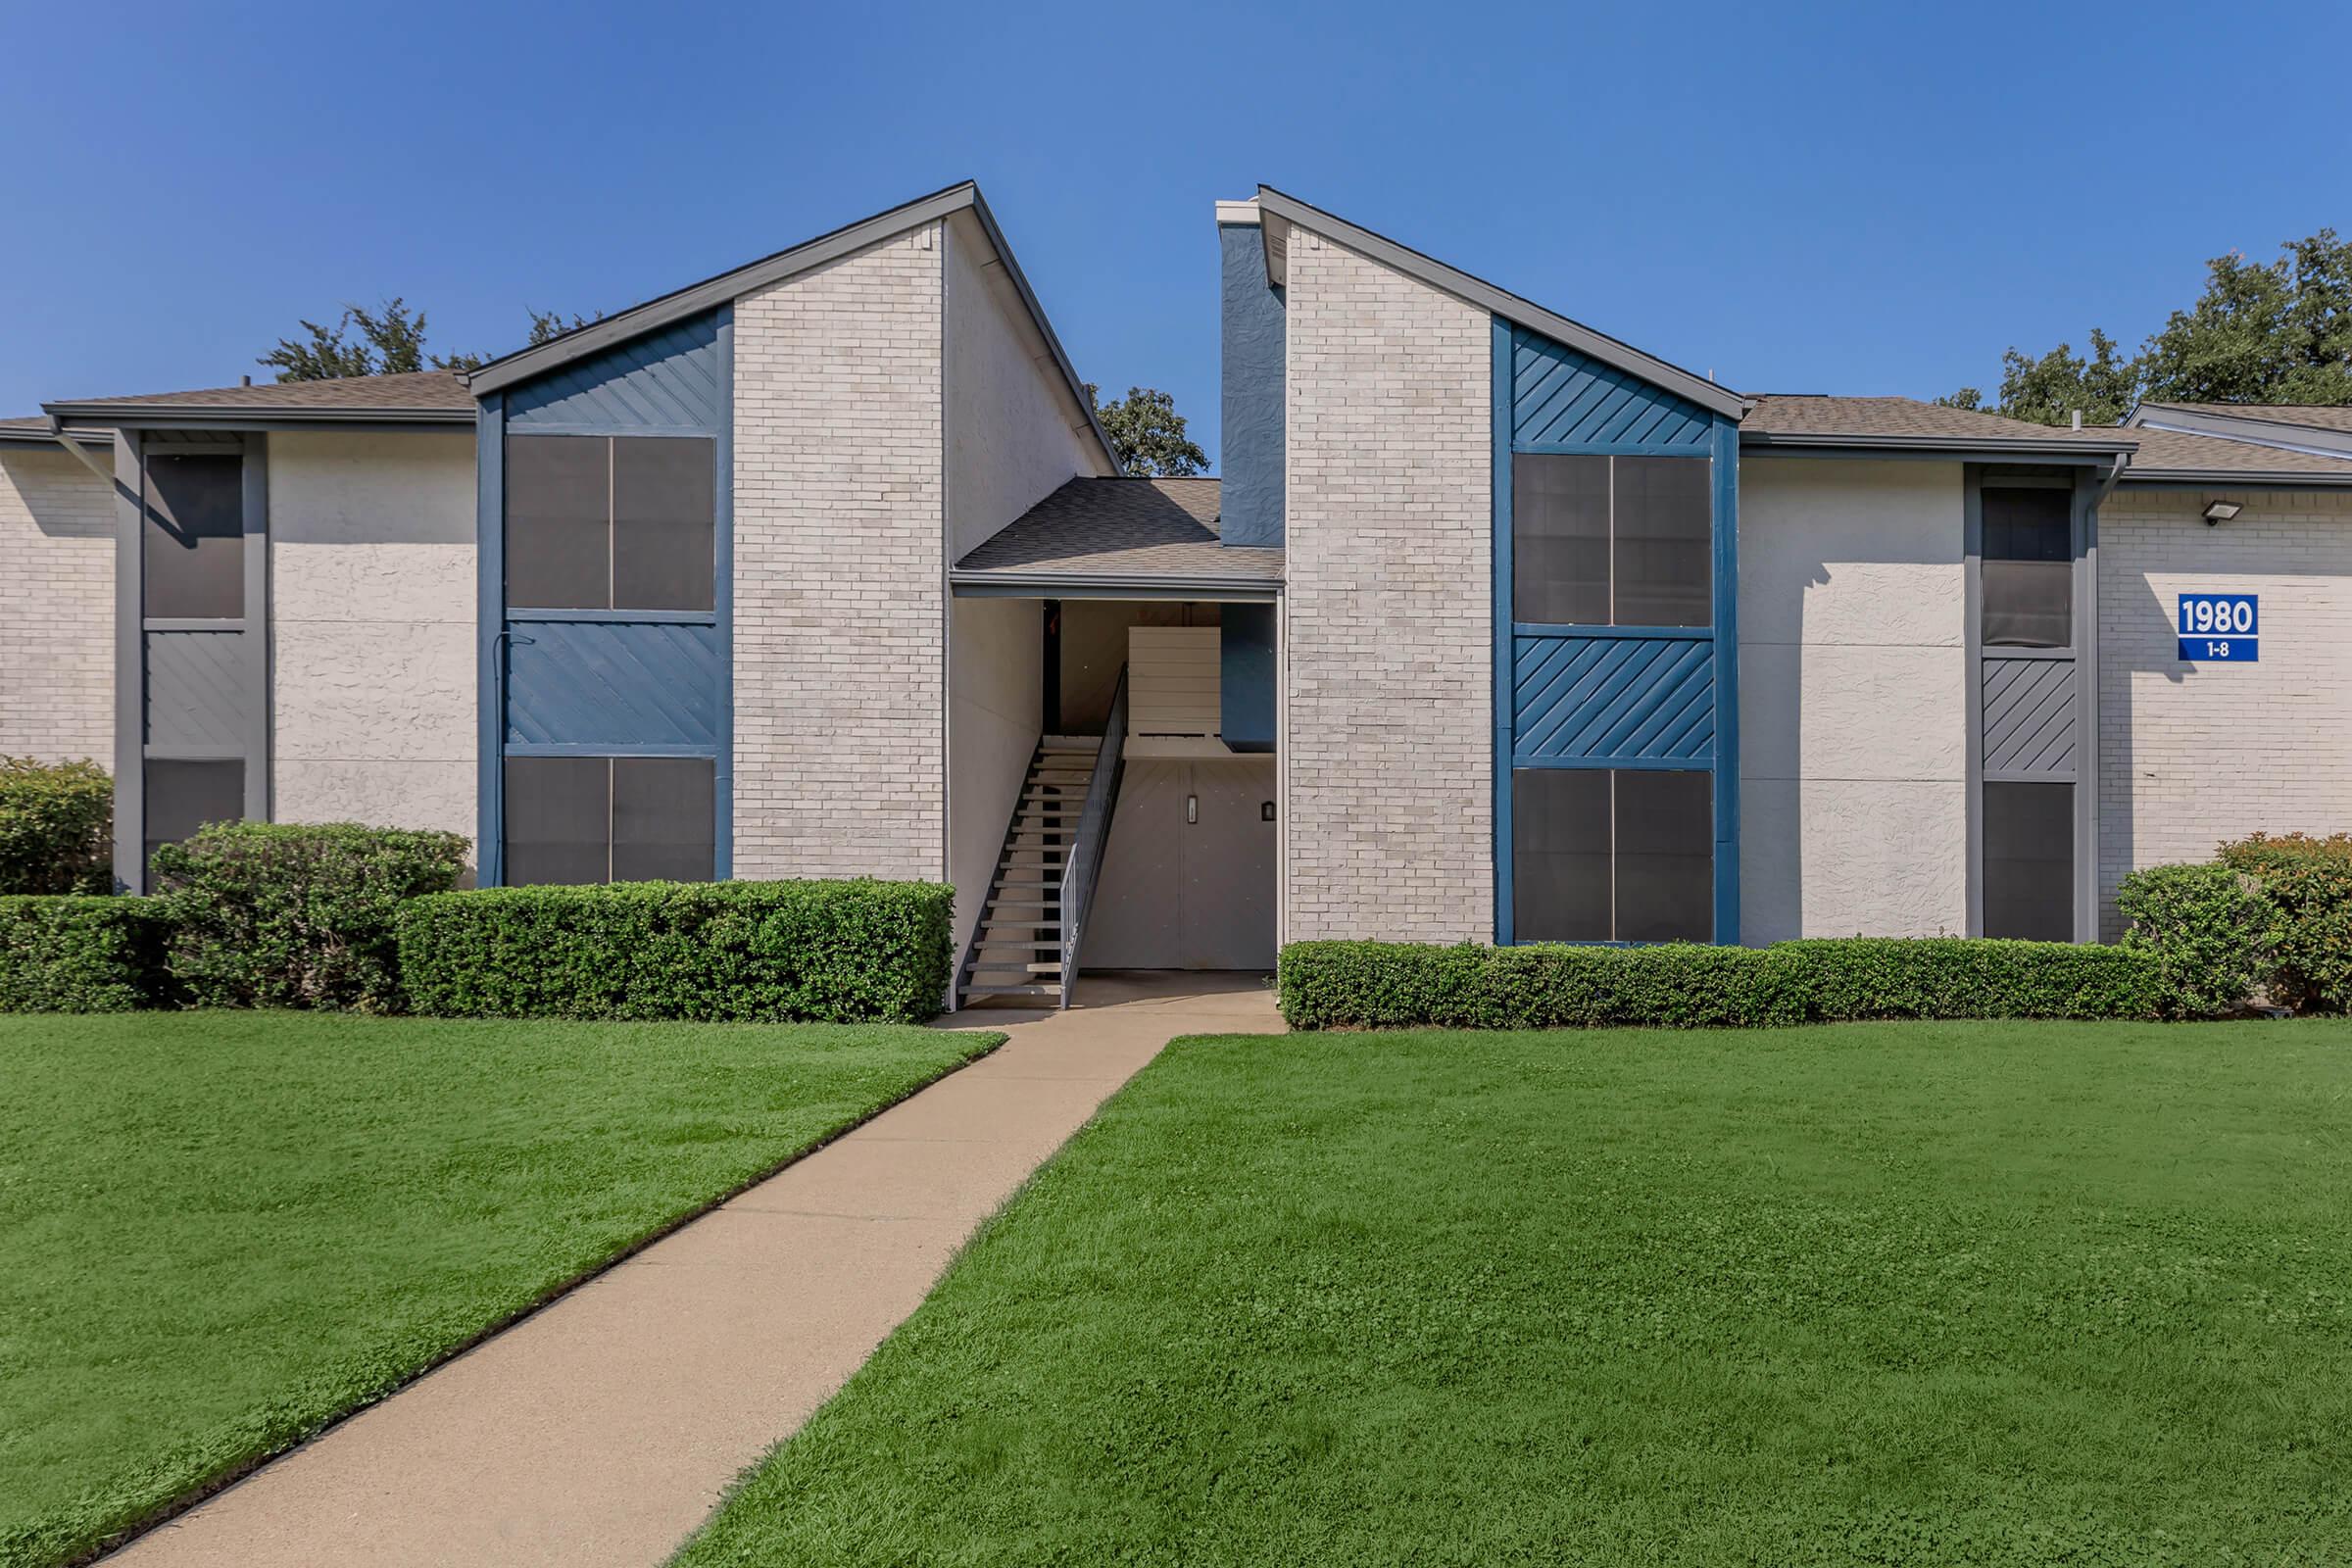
(603, 1429)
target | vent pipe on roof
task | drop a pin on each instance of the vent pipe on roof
(2078, 413)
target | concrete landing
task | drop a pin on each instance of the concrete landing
(603, 1429)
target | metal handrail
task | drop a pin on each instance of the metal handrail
(1094, 824)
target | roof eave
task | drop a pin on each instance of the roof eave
(2091, 451)
(1502, 302)
(2233, 479)
(711, 293)
(228, 416)
(1086, 584)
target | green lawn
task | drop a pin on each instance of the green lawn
(218, 1231)
(2013, 1294)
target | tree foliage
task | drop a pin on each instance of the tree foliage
(388, 340)
(2275, 331)
(1147, 434)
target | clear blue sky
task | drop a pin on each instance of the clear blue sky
(1858, 199)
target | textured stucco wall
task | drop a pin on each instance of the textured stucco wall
(1853, 699)
(372, 589)
(1389, 724)
(1014, 433)
(57, 607)
(839, 606)
(2190, 755)
(992, 725)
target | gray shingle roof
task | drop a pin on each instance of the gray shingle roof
(1873, 420)
(411, 393)
(2174, 452)
(1094, 529)
(2317, 416)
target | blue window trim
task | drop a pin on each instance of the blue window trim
(1697, 450)
(621, 618)
(1722, 450)
(490, 591)
(604, 749)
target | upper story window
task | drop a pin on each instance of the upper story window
(194, 555)
(610, 522)
(1611, 541)
(2027, 588)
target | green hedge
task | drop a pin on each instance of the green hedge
(826, 951)
(56, 827)
(1388, 985)
(2308, 880)
(81, 954)
(266, 914)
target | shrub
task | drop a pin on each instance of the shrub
(1393, 984)
(81, 954)
(2210, 929)
(2309, 881)
(829, 952)
(56, 827)
(1851, 979)
(269, 914)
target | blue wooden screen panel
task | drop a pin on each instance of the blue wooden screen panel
(667, 381)
(613, 684)
(1560, 398)
(1614, 700)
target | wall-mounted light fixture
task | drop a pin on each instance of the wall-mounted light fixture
(2218, 511)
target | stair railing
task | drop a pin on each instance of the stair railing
(1085, 863)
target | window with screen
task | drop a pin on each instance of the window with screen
(610, 522)
(1603, 855)
(193, 558)
(2030, 861)
(183, 795)
(1611, 541)
(2027, 588)
(576, 819)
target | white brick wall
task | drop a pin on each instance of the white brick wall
(839, 571)
(371, 602)
(2190, 755)
(1388, 717)
(57, 607)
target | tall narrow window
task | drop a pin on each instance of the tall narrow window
(1611, 541)
(2029, 861)
(2028, 567)
(610, 522)
(194, 557)
(1603, 855)
(187, 794)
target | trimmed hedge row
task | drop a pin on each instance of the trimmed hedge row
(1391, 985)
(81, 953)
(823, 951)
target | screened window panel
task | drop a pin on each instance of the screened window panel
(194, 554)
(1665, 863)
(1663, 554)
(1560, 539)
(2030, 861)
(182, 795)
(559, 814)
(559, 531)
(663, 811)
(1560, 879)
(2028, 567)
(665, 502)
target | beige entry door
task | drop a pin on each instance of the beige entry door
(1188, 877)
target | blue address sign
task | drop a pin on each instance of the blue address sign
(2220, 627)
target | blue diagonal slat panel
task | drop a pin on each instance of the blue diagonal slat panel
(667, 381)
(606, 683)
(1560, 397)
(1614, 699)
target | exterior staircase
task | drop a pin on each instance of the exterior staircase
(1017, 950)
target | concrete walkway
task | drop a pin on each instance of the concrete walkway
(603, 1429)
